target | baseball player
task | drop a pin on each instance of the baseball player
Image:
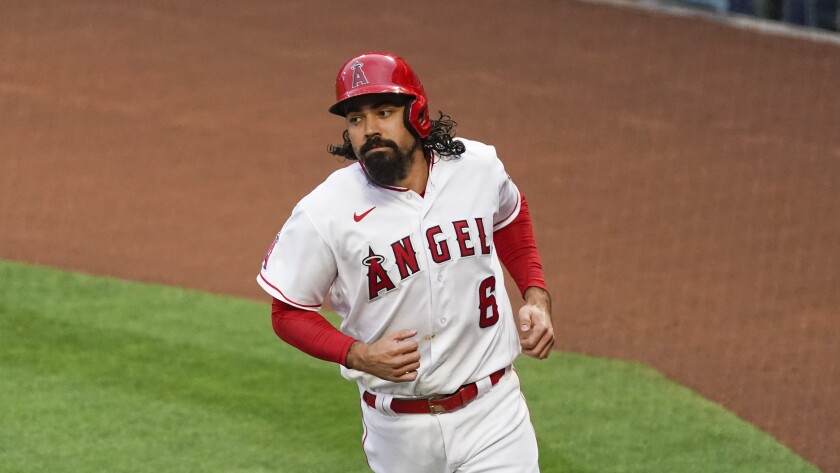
(408, 242)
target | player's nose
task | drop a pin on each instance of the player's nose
(371, 128)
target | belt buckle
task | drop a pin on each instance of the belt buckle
(436, 409)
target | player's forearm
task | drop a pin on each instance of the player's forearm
(310, 333)
(517, 249)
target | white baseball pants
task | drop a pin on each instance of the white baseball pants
(493, 433)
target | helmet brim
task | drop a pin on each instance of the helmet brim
(338, 107)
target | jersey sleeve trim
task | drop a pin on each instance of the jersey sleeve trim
(278, 294)
(506, 221)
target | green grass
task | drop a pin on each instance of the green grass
(105, 375)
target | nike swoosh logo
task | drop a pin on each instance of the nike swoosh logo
(359, 218)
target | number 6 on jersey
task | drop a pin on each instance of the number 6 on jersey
(488, 312)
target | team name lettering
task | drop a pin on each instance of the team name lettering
(482, 238)
(462, 234)
(438, 248)
(405, 256)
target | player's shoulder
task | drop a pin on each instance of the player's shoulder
(342, 185)
(477, 150)
(477, 153)
(476, 156)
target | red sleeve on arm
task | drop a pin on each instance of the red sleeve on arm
(309, 332)
(517, 249)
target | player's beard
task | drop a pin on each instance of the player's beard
(389, 166)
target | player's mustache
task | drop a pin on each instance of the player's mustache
(377, 142)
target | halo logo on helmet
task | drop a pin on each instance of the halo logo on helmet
(358, 75)
(384, 73)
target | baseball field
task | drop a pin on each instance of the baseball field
(682, 176)
(105, 375)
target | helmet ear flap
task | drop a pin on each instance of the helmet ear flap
(407, 118)
(417, 117)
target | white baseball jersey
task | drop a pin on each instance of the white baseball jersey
(390, 259)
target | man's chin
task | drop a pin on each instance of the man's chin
(383, 176)
(385, 171)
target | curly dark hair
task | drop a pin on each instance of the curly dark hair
(441, 140)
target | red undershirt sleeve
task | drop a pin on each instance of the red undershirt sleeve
(517, 249)
(309, 332)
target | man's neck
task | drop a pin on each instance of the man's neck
(418, 173)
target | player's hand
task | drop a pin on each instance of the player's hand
(392, 357)
(536, 332)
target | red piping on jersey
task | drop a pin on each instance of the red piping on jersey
(518, 205)
(284, 295)
(364, 438)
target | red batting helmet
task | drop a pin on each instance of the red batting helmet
(383, 73)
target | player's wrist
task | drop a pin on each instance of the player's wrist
(354, 358)
(537, 295)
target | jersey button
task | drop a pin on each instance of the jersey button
(443, 320)
(440, 277)
(408, 196)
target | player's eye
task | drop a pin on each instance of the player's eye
(386, 112)
(354, 120)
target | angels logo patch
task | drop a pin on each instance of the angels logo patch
(270, 249)
(378, 279)
(358, 75)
